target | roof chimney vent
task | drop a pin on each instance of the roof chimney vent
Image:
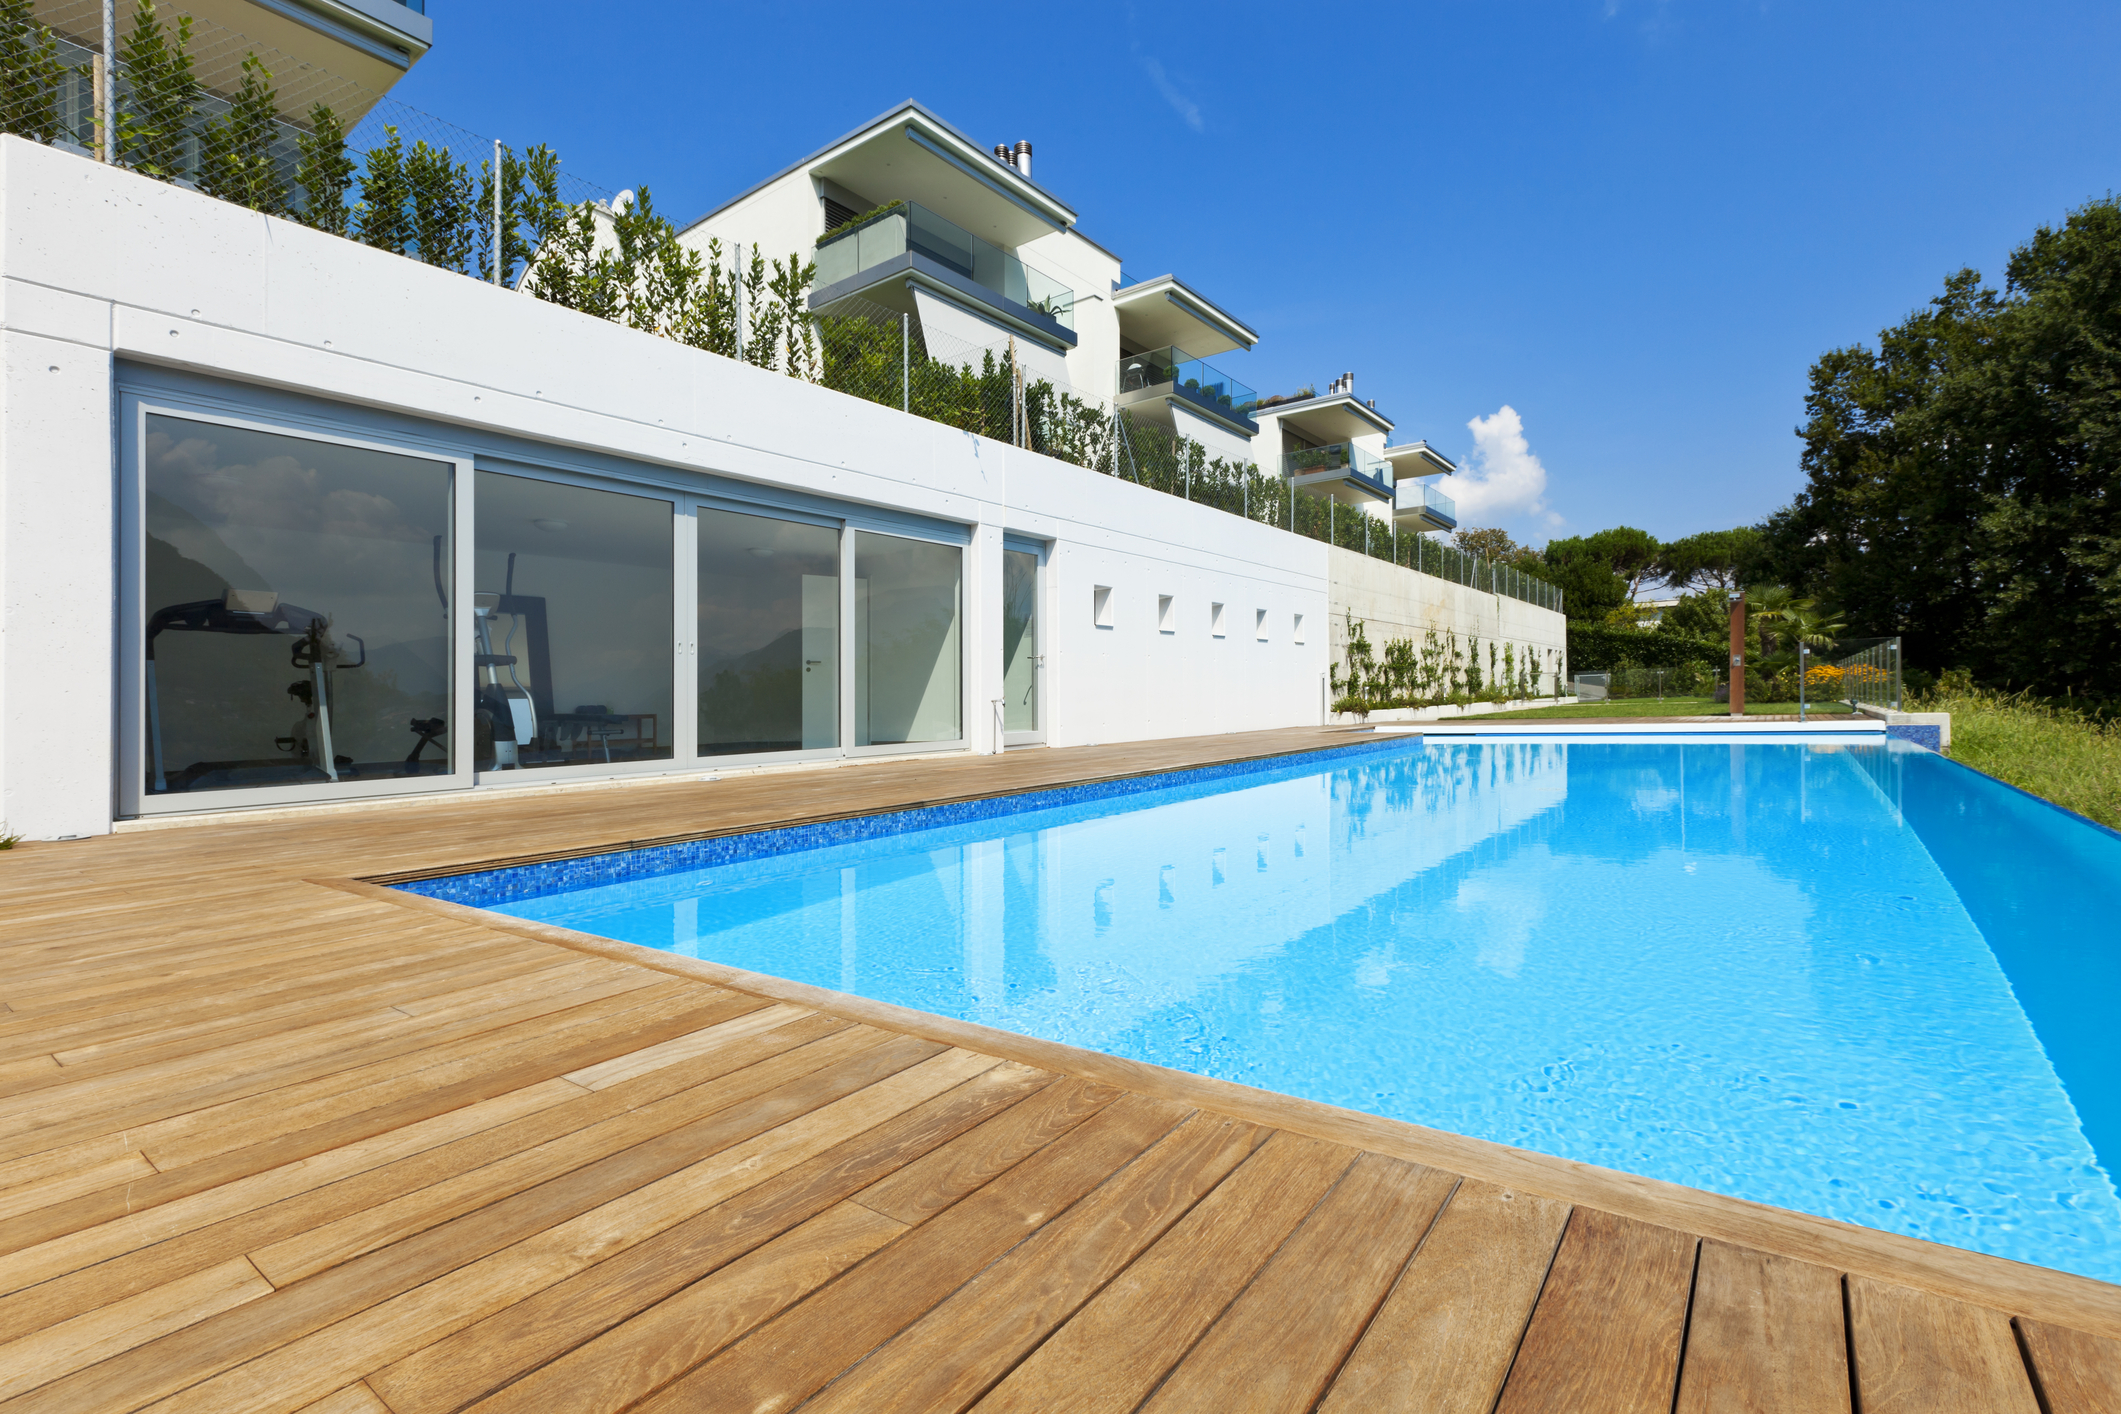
(1001, 154)
(1023, 157)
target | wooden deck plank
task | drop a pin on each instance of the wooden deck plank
(109, 1330)
(2074, 1373)
(472, 1362)
(1915, 1353)
(1605, 1336)
(1445, 1337)
(789, 1359)
(1765, 1337)
(1119, 1346)
(147, 1248)
(612, 1373)
(958, 1350)
(1278, 1345)
(303, 1341)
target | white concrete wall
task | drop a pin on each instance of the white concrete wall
(98, 265)
(1396, 603)
(782, 219)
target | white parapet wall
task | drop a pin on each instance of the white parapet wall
(111, 283)
(1395, 603)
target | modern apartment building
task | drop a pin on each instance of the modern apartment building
(908, 214)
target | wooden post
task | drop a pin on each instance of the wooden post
(1738, 656)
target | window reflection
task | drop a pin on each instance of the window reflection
(572, 625)
(1019, 641)
(906, 640)
(296, 621)
(769, 620)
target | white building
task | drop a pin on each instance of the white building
(286, 520)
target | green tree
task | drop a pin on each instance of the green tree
(381, 219)
(30, 73)
(324, 171)
(164, 104)
(236, 161)
(1590, 588)
(441, 206)
(1717, 559)
(1487, 542)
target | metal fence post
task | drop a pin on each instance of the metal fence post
(107, 82)
(500, 246)
(905, 364)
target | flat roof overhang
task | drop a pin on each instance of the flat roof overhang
(1334, 418)
(1164, 313)
(344, 53)
(1342, 484)
(1192, 400)
(1417, 459)
(909, 154)
(886, 284)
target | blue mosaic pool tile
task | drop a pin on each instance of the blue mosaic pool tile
(1927, 734)
(487, 887)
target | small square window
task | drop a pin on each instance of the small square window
(1215, 620)
(1259, 624)
(1297, 632)
(1166, 617)
(1101, 605)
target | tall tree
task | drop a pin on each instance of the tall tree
(1711, 559)
(1487, 542)
(1963, 479)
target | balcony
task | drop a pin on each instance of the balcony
(1171, 372)
(912, 237)
(1339, 471)
(1418, 505)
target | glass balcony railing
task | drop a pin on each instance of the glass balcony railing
(1196, 380)
(1337, 456)
(1423, 495)
(909, 227)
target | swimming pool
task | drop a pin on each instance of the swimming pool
(1847, 977)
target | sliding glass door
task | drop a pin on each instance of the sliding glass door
(571, 619)
(769, 634)
(290, 613)
(908, 682)
(1023, 660)
(311, 616)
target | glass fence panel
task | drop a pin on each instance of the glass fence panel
(944, 242)
(572, 621)
(908, 597)
(1019, 641)
(297, 627)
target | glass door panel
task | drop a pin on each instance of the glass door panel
(296, 611)
(907, 669)
(572, 657)
(769, 629)
(1020, 655)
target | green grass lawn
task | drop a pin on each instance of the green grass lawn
(1669, 707)
(2052, 752)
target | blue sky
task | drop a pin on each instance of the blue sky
(1631, 224)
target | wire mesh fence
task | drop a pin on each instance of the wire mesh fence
(189, 101)
(888, 357)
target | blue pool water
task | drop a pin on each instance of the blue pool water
(1853, 979)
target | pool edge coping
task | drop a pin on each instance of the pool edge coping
(2021, 1289)
(1263, 761)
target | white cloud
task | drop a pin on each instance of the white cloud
(1502, 478)
(1185, 107)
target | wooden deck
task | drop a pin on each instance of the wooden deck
(270, 1139)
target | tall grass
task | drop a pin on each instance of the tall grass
(2055, 752)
